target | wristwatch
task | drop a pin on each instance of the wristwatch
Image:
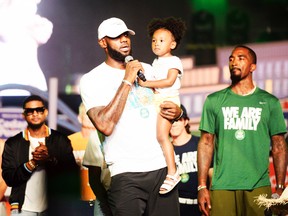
(280, 186)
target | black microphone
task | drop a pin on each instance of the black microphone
(139, 73)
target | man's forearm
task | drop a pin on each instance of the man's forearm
(279, 155)
(105, 119)
(204, 157)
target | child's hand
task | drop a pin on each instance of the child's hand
(141, 83)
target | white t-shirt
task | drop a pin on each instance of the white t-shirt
(132, 147)
(36, 193)
(161, 66)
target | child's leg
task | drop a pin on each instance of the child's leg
(172, 178)
(163, 129)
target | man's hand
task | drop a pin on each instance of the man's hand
(204, 201)
(40, 155)
(131, 70)
(170, 110)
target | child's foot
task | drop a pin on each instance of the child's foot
(169, 183)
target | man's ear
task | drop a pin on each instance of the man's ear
(46, 113)
(253, 67)
(102, 43)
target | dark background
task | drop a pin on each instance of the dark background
(73, 49)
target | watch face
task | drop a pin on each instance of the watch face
(279, 186)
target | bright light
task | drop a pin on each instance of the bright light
(22, 31)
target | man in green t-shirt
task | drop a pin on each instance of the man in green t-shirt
(238, 124)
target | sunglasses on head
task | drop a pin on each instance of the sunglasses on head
(30, 111)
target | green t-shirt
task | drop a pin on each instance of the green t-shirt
(243, 126)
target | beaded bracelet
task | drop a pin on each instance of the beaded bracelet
(127, 82)
(200, 187)
(32, 165)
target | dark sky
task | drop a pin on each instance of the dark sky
(73, 46)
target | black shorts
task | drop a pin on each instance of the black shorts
(137, 194)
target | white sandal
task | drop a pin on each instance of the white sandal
(169, 183)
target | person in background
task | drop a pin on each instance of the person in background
(239, 123)
(79, 142)
(99, 174)
(166, 35)
(36, 157)
(125, 114)
(3, 187)
(95, 176)
(185, 146)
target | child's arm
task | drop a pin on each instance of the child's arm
(163, 83)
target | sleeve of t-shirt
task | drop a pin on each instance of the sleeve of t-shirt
(207, 122)
(177, 64)
(91, 92)
(277, 123)
(97, 87)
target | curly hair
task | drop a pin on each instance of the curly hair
(176, 26)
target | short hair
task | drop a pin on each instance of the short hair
(185, 117)
(176, 26)
(33, 98)
(251, 52)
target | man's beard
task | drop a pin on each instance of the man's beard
(235, 78)
(116, 55)
(35, 126)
